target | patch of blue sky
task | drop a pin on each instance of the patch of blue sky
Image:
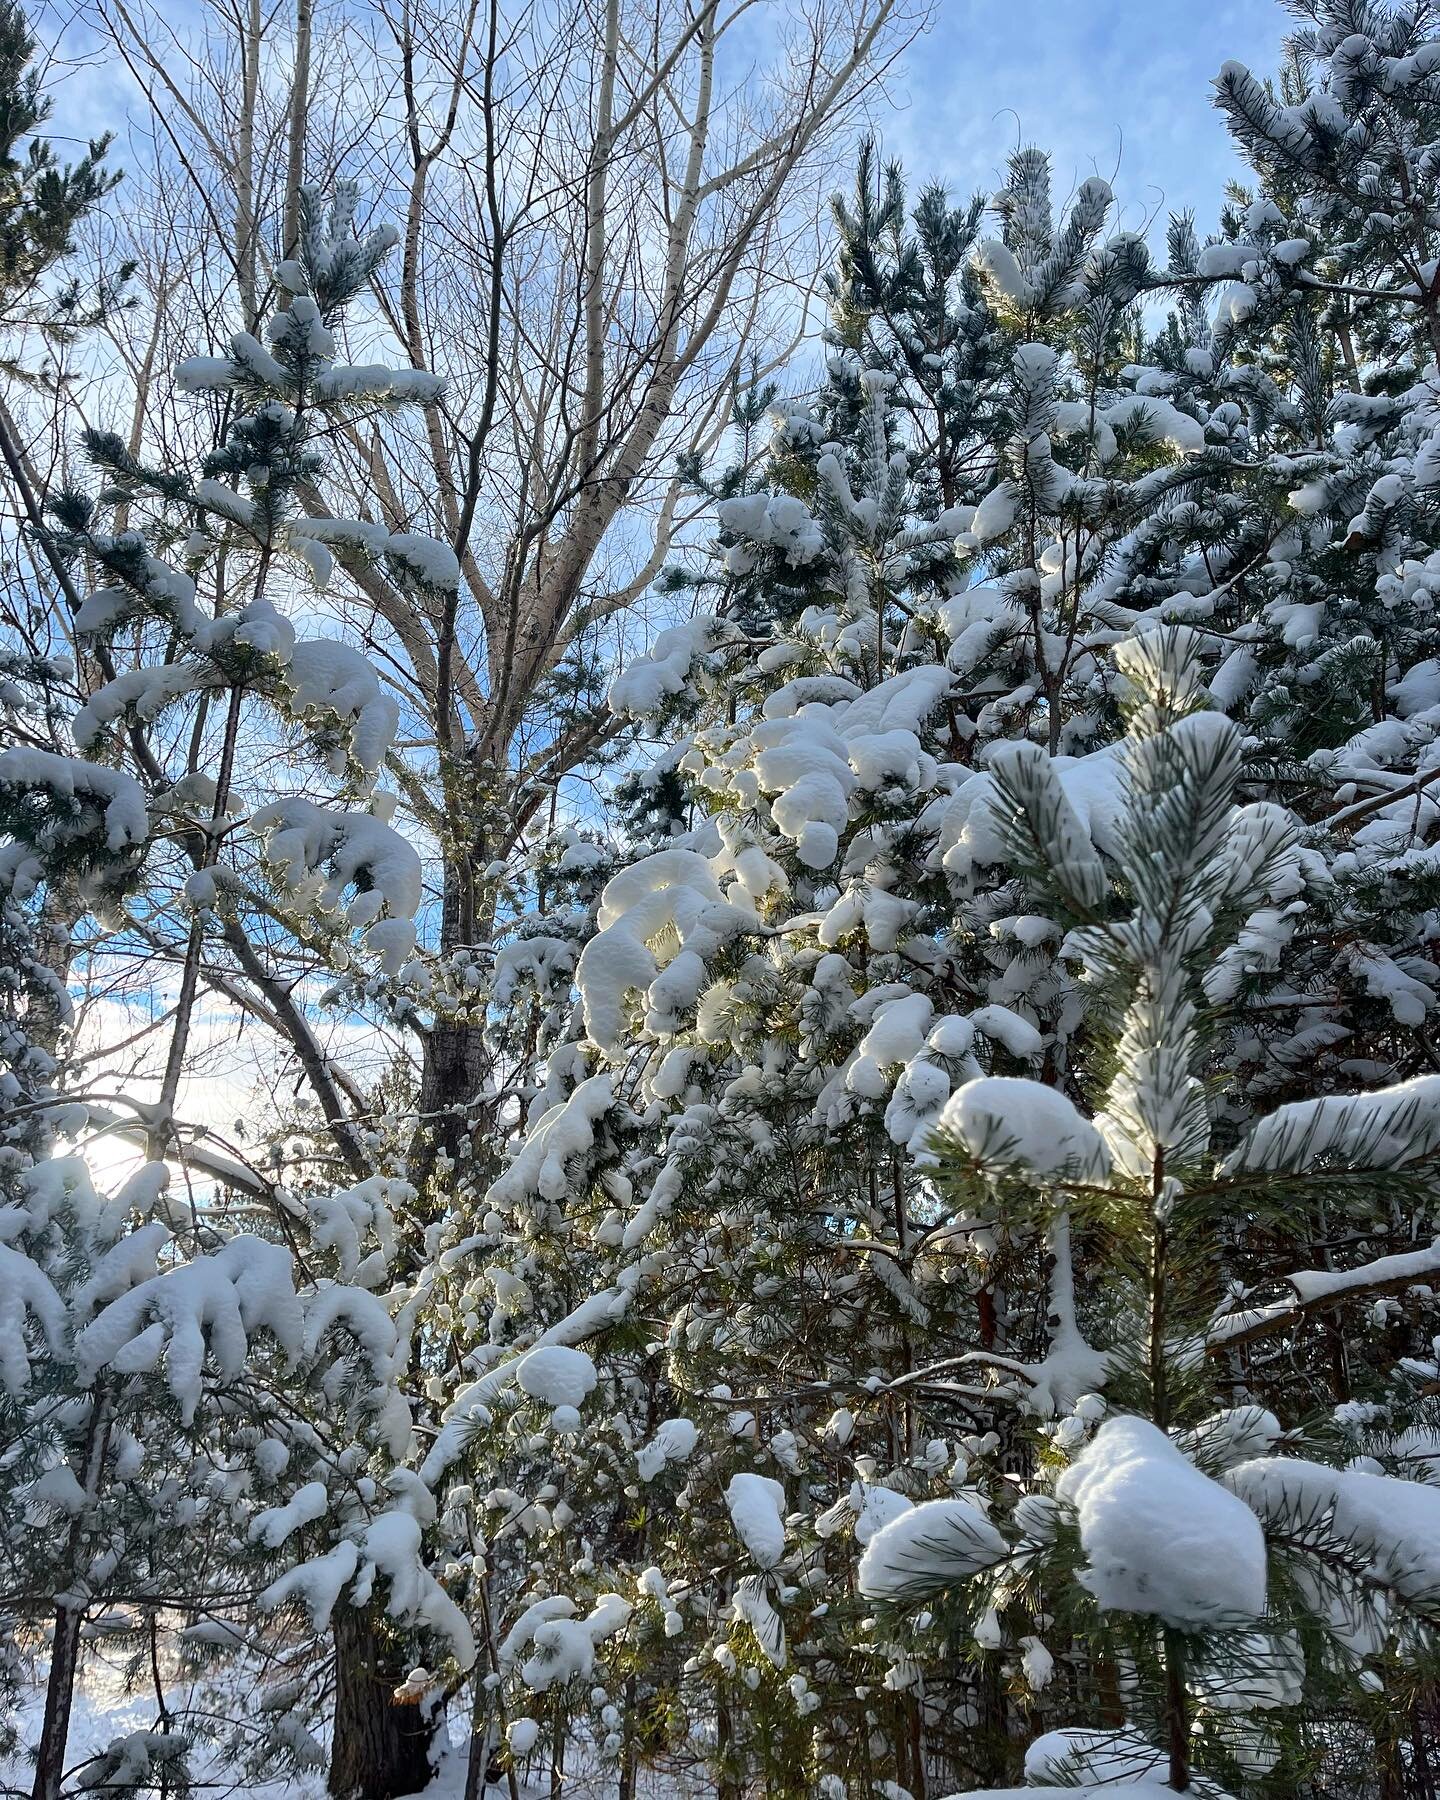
(1118, 88)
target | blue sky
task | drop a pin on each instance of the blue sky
(1095, 81)
(1092, 80)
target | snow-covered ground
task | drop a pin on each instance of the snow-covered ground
(105, 1710)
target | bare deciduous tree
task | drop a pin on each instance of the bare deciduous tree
(607, 216)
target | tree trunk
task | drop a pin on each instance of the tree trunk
(456, 1061)
(630, 1755)
(299, 125)
(915, 1724)
(378, 1748)
(59, 1697)
(70, 1615)
(557, 1753)
(381, 1748)
(454, 1072)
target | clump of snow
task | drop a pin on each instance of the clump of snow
(207, 1308)
(422, 561)
(779, 521)
(927, 1548)
(335, 681)
(562, 1646)
(392, 1548)
(522, 1735)
(1013, 1126)
(757, 1509)
(754, 1605)
(470, 1409)
(1230, 1437)
(641, 690)
(673, 1442)
(340, 1218)
(1384, 1129)
(562, 1136)
(389, 1548)
(276, 1523)
(1159, 1536)
(1393, 1524)
(90, 796)
(1114, 1759)
(306, 843)
(878, 1507)
(1314, 1285)
(25, 1292)
(556, 1375)
(660, 921)
(144, 692)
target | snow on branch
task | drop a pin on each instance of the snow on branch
(318, 852)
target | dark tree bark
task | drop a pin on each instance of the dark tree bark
(70, 1615)
(378, 1747)
(381, 1748)
(456, 1061)
(59, 1696)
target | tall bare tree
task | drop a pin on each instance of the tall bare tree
(608, 213)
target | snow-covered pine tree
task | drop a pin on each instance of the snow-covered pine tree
(907, 292)
(1221, 1606)
(43, 303)
(829, 938)
(718, 1194)
(42, 204)
(201, 1386)
(1327, 612)
(1336, 647)
(161, 1385)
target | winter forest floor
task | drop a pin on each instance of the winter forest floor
(106, 1708)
